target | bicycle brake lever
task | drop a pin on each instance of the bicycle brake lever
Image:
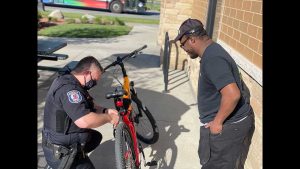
(137, 53)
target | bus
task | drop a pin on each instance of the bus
(115, 6)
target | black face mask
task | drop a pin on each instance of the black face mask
(90, 84)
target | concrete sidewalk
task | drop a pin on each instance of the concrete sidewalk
(175, 112)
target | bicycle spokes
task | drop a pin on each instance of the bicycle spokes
(128, 151)
(142, 123)
(129, 159)
(145, 127)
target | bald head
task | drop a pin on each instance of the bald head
(86, 64)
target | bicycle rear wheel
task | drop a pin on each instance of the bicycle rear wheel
(145, 124)
(124, 151)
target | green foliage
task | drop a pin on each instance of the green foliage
(97, 20)
(40, 16)
(70, 20)
(85, 31)
(84, 20)
(51, 19)
(105, 21)
(119, 22)
(153, 5)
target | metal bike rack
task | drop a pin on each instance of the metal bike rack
(166, 61)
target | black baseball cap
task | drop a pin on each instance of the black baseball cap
(188, 27)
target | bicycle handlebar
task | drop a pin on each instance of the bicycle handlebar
(119, 60)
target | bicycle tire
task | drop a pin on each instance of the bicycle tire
(123, 140)
(150, 135)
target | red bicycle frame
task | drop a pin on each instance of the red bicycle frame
(123, 102)
(125, 114)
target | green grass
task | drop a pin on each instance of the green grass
(154, 7)
(85, 31)
(124, 19)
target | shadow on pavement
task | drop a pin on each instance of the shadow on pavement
(104, 155)
(166, 109)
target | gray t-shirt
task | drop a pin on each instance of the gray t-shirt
(218, 69)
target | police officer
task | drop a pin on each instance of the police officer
(69, 115)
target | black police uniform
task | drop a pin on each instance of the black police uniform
(66, 102)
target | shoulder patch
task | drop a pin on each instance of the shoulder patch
(74, 96)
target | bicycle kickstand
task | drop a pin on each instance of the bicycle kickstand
(152, 163)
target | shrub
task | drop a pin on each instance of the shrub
(51, 19)
(85, 31)
(70, 20)
(97, 20)
(84, 20)
(119, 22)
(40, 16)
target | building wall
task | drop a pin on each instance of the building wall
(241, 28)
(199, 12)
(240, 33)
(238, 28)
(172, 14)
(200, 8)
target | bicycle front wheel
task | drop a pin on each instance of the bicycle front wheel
(146, 128)
(124, 151)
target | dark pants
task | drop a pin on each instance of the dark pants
(229, 149)
(92, 142)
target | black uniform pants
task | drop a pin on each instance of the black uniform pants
(92, 142)
(229, 149)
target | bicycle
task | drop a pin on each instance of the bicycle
(134, 116)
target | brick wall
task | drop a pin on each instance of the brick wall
(254, 160)
(199, 12)
(173, 13)
(241, 28)
(200, 8)
(217, 23)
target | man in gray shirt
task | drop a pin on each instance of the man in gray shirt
(226, 116)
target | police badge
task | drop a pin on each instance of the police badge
(74, 96)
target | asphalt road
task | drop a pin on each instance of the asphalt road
(146, 15)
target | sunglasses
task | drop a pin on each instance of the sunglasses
(183, 43)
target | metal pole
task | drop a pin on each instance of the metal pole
(211, 17)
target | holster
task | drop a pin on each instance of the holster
(67, 157)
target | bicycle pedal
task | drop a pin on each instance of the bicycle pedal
(152, 163)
